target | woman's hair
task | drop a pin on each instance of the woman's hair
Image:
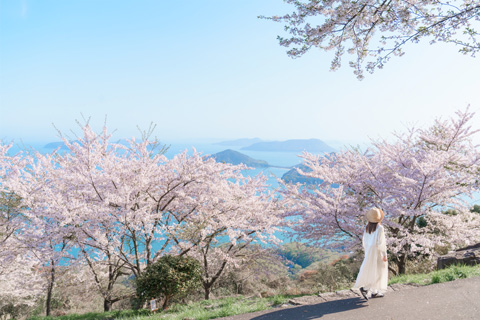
(371, 227)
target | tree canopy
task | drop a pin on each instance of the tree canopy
(414, 178)
(375, 30)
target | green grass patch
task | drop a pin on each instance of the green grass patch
(445, 275)
(118, 314)
(211, 309)
(202, 310)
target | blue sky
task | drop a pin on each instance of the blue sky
(205, 69)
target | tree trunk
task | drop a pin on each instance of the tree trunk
(48, 302)
(401, 264)
(207, 288)
(107, 305)
(166, 302)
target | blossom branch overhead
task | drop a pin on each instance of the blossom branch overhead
(372, 31)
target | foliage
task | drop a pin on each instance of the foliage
(444, 275)
(450, 212)
(11, 309)
(411, 179)
(302, 254)
(373, 31)
(263, 272)
(339, 274)
(169, 277)
(475, 208)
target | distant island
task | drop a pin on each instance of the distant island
(295, 145)
(239, 142)
(292, 176)
(235, 157)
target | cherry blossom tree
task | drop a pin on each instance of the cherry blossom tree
(234, 215)
(144, 205)
(374, 31)
(21, 278)
(29, 177)
(413, 179)
(58, 208)
(122, 206)
(122, 202)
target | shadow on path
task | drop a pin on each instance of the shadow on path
(315, 311)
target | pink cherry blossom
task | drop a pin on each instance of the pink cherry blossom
(415, 177)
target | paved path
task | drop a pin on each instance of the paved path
(459, 299)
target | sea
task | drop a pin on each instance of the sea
(280, 162)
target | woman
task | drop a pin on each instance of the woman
(373, 273)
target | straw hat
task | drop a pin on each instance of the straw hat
(374, 215)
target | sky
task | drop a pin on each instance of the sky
(206, 69)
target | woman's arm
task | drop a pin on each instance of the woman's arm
(381, 243)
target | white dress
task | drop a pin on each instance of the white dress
(373, 273)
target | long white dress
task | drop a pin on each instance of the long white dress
(373, 273)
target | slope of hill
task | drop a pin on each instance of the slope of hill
(235, 157)
(295, 145)
(292, 176)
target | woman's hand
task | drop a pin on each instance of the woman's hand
(384, 259)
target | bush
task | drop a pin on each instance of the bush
(475, 208)
(261, 272)
(11, 310)
(167, 278)
(339, 274)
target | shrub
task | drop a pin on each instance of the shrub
(10, 310)
(436, 278)
(262, 272)
(475, 208)
(169, 277)
(339, 274)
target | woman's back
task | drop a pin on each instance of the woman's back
(374, 238)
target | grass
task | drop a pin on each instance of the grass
(202, 310)
(117, 314)
(445, 275)
(211, 309)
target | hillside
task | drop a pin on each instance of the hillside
(295, 145)
(292, 176)
(235, 157)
